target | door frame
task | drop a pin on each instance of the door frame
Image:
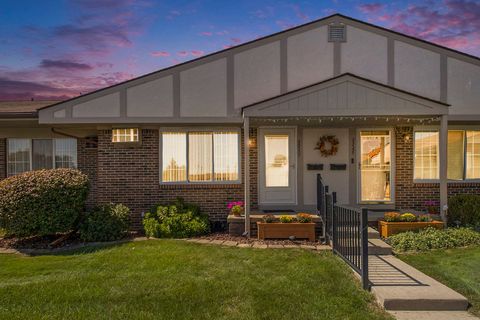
(261, 165)
(358, 156)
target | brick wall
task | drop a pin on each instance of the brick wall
(130, 175)
(3, 158)
(87, 163)
(413, 195)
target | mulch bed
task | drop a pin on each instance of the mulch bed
(227, 237)
(44, 242)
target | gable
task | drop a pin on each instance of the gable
(214, 88)
(346, 95)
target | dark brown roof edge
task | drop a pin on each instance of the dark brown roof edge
(344, 75)
(17, 115)
(262, 38)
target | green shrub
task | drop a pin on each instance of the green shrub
(269, 218)
(464, 210)
(42, 202)
(424, 218)
(105, 223)
(179, 220)
(431, 238)
(304, 217)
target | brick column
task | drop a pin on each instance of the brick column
(3, 158)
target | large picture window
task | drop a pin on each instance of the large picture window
(34, 154)
(463, 151)
(200, 156)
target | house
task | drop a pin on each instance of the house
(405, 114)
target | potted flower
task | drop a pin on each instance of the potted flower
(287, 226)
(236, 208)
(432, 206)
(394, 222)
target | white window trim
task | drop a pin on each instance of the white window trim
(438, 156)
(200, 129)
(131, 135)
(450, 128)
(30, 140)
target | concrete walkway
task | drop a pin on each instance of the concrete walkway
(433, 315)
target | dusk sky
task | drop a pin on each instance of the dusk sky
(54, 49)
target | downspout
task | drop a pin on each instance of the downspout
(443, 149)
(246, 146)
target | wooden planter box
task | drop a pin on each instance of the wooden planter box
(390, 228)
(278, 230)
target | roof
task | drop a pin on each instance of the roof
(22, 109)
(246, 44)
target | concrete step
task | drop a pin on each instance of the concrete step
(399, 286)
(373, 234)
(378, 247)
(433, 315)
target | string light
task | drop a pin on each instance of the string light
(353, 119)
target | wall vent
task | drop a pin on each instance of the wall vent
(337, 33)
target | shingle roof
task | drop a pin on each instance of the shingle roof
(22, 109)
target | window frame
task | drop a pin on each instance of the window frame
(200, 129)
(30, 144)
(450, 128)
(123, 143)
(438, 155)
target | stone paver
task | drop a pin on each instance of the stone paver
(204, 241)
(291, 246)
(307, 246)
(244, 245)
(323, 247)
(433, 315)
(275, 246)
(217, 241)
(230, 243)
(258, 245)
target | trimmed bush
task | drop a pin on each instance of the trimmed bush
(464, 209)
(105, 223)
(431, 238)
(42, 202)
(179, 220)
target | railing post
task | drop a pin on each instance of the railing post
(364, 239)
(334, 228)
(334, 194)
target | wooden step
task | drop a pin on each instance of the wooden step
(373, 234)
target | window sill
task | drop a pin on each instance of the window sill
(472, 181)
(201, 185)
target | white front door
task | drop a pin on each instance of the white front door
(277, 162)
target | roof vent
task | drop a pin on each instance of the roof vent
(337, 33)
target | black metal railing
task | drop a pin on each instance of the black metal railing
(350, 239)
(325, 202)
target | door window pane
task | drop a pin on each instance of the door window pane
(473, 155)
(276, 161)
(42, 155)
(426, 155)
(455, 154)
(174, 155)
(375, 149)
(200, 156)
(225, 158)
(65, 153)
(18, 160)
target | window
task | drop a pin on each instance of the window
(200, 156)
(426, 155)
(34, 154)
(473, 155)
(125, 135)
(463, 155)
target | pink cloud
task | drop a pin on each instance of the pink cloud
(206, 33)
(159, 54)
(182, 53)
(197, 53)
(369, 8)
(454, 23)
(298, 12)
(65, 65)
(236, 40)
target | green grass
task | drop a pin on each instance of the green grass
(457, 268)
(168, 279)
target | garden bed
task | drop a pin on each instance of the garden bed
(388, 229)
(286, 230)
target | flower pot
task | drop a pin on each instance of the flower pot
(277, 230)
(388, 229)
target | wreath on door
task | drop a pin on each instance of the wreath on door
(328, 146)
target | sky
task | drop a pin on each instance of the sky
(57, 49)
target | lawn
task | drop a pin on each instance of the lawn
(457, 268)
(168, 279)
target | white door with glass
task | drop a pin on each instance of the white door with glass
(277, 162)
(375, 166)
